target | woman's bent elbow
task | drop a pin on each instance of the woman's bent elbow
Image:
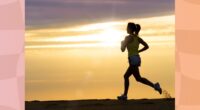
(147, 47)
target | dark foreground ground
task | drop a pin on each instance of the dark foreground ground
(107, 104)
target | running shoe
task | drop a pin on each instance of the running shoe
(122, 97)
(157, 87)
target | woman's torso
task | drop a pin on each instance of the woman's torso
(133, 45)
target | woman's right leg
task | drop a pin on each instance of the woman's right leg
(126, 79)
(143, 80)
(137, 76)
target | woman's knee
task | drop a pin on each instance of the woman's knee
(139, 79)
(126, 76)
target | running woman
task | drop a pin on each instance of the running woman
(131, 42)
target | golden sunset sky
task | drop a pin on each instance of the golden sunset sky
(69, 57)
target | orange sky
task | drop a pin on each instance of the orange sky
(84, 61)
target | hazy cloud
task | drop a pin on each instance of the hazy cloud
(71, 12)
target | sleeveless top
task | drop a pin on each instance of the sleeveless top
(133, 46)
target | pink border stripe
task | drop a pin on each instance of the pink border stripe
(12, 26)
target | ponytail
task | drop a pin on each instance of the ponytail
(137, 30)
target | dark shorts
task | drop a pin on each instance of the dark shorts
(134, 60)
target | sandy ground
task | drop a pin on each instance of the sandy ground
(103, 104)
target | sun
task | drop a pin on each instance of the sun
(111, 37)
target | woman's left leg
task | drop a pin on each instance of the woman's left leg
(126, 79)
(126, 83)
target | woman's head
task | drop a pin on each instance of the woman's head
(131, 28)
(138, 28)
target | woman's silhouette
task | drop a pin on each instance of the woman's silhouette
(131, 42)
